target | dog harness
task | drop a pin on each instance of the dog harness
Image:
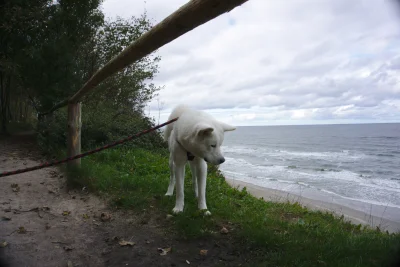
(189, 155)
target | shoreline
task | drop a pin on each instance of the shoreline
(378, 215)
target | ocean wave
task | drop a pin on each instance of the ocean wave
(288, 154)
(384, 137)
(293, 174)
(386, 184)
(369, 201)
(385, 155)
(293, 171)
(298, 187)
(344, 154)
(238, 149)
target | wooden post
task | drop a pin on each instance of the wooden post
(74, 133)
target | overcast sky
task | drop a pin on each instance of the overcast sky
(273, 62)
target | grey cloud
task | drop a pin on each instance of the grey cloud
(185, 67)
(331, 60)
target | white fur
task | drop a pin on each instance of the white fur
(196, 132)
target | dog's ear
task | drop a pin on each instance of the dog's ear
(203, 129)
(227, 127)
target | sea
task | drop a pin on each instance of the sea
(353, 162)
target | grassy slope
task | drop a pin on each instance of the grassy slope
(274, 234)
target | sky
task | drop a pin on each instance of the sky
(272, 62)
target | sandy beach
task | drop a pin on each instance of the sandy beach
(385, 217)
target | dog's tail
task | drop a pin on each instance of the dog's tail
(176, 112)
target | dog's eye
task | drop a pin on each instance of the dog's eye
(213, 145)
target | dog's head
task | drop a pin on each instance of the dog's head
(209, 138)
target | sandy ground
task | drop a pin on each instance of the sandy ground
(42, 223)
(353, 215)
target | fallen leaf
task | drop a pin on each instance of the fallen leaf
(15, 187)
(224, 231)
(21, 230)
(203, 252)
(105, 216)
(169, 216)
(85, 216)
(188, 262)
(164, 251)
(66, 213)
(68, 248)
(3, 244)
(123, 243)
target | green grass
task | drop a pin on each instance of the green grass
(275, 234)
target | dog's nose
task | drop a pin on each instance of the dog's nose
(221, 160)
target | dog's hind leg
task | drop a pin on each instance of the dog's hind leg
(194, 177)
(171, 186)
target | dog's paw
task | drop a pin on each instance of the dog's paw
(169, 194)
(206, 212)
(177, 210)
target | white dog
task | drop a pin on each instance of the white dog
(195, 137)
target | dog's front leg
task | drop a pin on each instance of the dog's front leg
(201, 173)
(179, 176)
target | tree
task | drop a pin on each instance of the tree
(40, 44)
(115, 108)
(130, 89)
(18, 21)
(54, 69)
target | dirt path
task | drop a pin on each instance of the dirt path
(45, 224)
